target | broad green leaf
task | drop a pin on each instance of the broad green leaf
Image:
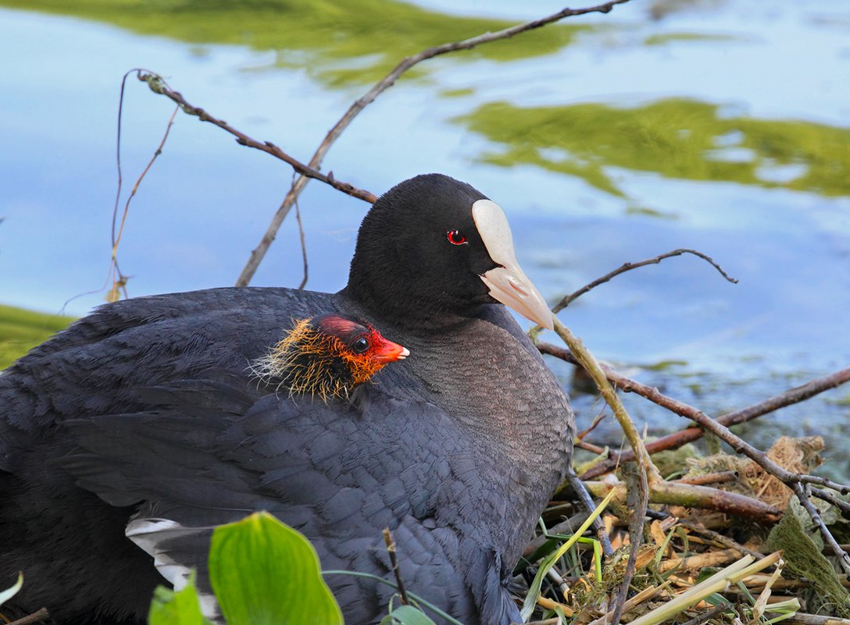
(406, 615)
(7, 594)
(176, 608)
(265, 573)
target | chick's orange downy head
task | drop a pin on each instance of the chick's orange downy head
(327, 356)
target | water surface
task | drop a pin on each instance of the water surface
(721, 126)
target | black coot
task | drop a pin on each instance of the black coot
(125, 439)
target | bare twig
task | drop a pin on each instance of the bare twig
(377, 89)
(119, 280)
(570, 298)
(709, 478)
(643, 595)
(391, 550)
(815, 619)
(303, 246)
(158, 85)
(596, 421)
(828, 538)
(709, 614)
(584, 497)
(648, 475)
(719, 538)
(691, 496)
(831, 498)
(594, 449)
(36, 617)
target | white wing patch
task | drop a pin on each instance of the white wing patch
(148, 534)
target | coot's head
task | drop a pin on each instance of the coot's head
(327, 357)
(433, 248)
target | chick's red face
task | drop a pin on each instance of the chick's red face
(361, 340)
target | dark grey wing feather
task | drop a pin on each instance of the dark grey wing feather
(211, 452)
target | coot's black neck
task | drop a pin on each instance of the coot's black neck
(399, 304)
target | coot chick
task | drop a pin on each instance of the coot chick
(128, 437)
(326, 357)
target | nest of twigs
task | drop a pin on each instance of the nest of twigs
(696, 565)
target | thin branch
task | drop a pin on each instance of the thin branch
(648, 476)
(303, 246)
(119, 280)
(709, 614)
(596, 421)
(587, 502)
(568, 299)
(828, 538)
(709, 478)
(391, 550)
(711, 534)
(571, 297)
(694, 496)
(832, 499)
(377, 89)
(36, 617)
(158, 85)
(594, 449)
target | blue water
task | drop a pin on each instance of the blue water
(206, 202)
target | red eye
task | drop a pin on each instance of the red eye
(456, 237)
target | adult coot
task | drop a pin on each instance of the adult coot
(125, 439)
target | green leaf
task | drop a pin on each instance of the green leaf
(265, 573)
(547, 563)
(406, 615)
(176, 608)
(11, 592)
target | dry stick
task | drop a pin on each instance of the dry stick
(719, 538)
(801, 618)
(595, 449)
(391, 550)
(830, 498)
(585, 499)
(802, 495)
(303, 246)
(569, 299)
(596, 421)
(709, 478)
(36, 617)
(119, 279)
(643, 595)
(647, 473)
(692, 496)
(705, 616)
(158, 85)
(377, 89)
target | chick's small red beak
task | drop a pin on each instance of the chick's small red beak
(386, 352)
